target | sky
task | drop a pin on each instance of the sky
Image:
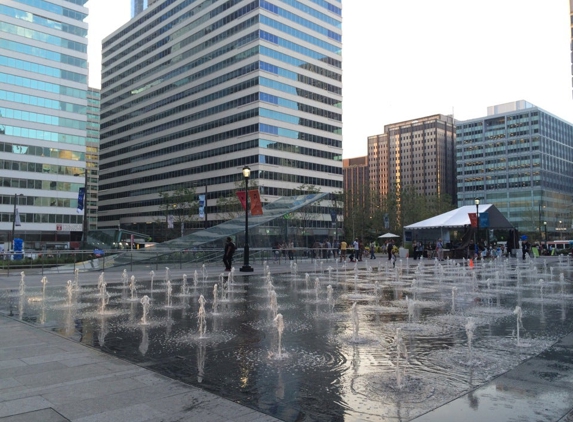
(407, 59)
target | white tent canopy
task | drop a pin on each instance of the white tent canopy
(460, 218)
(387, 236)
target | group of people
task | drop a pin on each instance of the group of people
(285, 249)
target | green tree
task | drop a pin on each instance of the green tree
(180, 203)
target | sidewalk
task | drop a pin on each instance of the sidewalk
(47, 378)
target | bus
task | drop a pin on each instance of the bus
(560, 246)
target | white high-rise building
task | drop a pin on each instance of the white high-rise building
(43, 102)
(193, 91)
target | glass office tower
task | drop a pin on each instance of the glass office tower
(43, 102)
(519, 158)
(192, 91)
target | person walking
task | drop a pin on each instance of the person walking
(228, 254)
(440, 250)
(372, 250)
(356, 247)
(343, 246)
(389, 246)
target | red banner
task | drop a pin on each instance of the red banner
(242, 197)
(256, 206)
(473, 219)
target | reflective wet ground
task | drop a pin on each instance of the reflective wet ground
(403, 349)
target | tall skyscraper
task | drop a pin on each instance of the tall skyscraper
(193, 91)
(519, 158)
(43, 105)
(417, 153)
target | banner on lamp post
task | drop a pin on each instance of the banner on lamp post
(17, 221)
(202, 206)
(256, 206)
(242, 198)
(170, 221)
(473, 219)
(81, 199)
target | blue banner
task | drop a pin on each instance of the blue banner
(484, 220)
(81, 197)
(201, 206)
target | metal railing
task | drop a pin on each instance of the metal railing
(67, 261)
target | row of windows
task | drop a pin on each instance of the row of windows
(220, 152)
(264, 35)
(293, 178)
(158, 144)
(288, 118)
(290, 89)
(332, 8)
(42, 21)
(122, 184)
(187, 81)
(16, 97)
(299, 34)
(43, 70)
(9, 182)
(289, 162)
(273, 99)
(221, 107)
(41, 152)
(46, 218)
(271, 68)
(194, 20)
(301, 21)
(45, 119)
(308, 152)
(185, 106)
(181, 121)
(33, 34)
(42, 86)
(40, 168)
(158, 68)
(58, 10)
(142, 26)
(43, 53)
(44, 135)
(303, 8)
(164, 52)
(295, 134)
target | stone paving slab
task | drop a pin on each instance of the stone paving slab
(52, 379)
(44, 415)
(540, 389)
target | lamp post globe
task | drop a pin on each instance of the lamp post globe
(246, 267)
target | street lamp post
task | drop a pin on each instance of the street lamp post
(477, 228)
(545, 227)
(16, 195)
(246, 267)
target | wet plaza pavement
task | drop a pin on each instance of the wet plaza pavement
(166, 371)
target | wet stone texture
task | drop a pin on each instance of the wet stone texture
(427, 342)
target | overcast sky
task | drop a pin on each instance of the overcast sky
(405, 59)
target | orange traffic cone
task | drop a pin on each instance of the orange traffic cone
(471, 263)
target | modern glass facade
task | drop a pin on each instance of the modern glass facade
(43, 124)
(519, 158)
(192, 91)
